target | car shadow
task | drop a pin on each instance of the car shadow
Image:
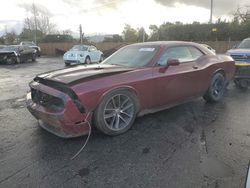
(19, 65)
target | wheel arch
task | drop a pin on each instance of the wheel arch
(222, 71)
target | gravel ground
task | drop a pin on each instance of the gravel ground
(194, 145)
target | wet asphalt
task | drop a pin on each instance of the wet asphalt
(194, 145)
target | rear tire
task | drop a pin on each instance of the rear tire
(101, 59)
(67, 64)
(216, 89)
(116, 112)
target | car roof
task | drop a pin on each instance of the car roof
(165, 43)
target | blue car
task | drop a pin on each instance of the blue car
(82, 54)
(242, 52)
(241, 55)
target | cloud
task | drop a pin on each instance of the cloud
(40, 8)
(109, 4)
(221, 7)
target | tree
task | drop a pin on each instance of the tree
(114, 38)
(58, 38)
(154, 35)
(242, 14)
(67, 32)
(2, 41)
(142, 35)
(10, 37)
(38, 21)
(28, 34)
(130, 34)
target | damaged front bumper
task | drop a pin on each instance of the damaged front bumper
(66, 123)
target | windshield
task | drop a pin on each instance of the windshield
(80, 47)
(244, 44)
(133, 56)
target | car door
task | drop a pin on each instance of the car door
(174, 84)
(94, 55)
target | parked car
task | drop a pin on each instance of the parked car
(32, 45)
(82, 54)
(241, 53)
(16, 54)
(137, 79)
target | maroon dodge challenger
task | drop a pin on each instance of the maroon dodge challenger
(136, 80)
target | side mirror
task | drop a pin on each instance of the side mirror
(170, 62)
(173, 62)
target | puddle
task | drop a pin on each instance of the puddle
(83, 172)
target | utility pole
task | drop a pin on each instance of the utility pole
(143, 35)
(81, 33)
(211, 12)
(34, 10)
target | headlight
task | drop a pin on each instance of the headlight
(39, 49)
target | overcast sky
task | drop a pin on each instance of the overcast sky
(109, 16)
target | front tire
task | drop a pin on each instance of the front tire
(216, 89)
(116, 112)
(33, 59)
(87, 60)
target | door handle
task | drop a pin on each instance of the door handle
(195, 67)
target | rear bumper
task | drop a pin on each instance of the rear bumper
(72, 61)
(59, 123)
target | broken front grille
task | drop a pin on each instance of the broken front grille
(46, 100)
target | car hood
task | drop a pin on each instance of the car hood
(72, 76)
(239, 51)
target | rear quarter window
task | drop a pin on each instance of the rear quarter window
(196, 53)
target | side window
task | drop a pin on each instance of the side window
(195, 52)
(182, 53)
(92, 48)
